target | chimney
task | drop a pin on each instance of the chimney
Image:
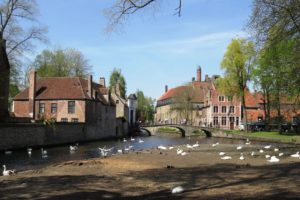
(117, 89)
(102, 81)
(166, 88)
(90, 83)
(199, 74)
(31, 95)
(206, 78)
(193, 79)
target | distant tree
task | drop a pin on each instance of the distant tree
(116, 77)
(122, 9)
(183, 103)
(145, 107)
(238, 63)
(62, 62)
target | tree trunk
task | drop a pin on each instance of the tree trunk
(244, 111)
(4, 81)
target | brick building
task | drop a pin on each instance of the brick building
(72, 99)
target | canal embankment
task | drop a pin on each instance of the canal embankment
(23, 135)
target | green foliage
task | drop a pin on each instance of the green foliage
(168, 130)
(116, 77)
(145, 107)
(238, 64)
(60, 63)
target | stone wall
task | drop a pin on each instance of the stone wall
(30, 135)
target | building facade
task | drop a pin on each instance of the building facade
(72, 99)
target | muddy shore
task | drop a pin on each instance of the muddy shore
(151, 174)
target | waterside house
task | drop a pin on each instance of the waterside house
(72, 99)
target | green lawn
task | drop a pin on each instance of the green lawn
(168, 130)
(273, 135)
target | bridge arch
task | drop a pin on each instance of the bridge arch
(152, 129)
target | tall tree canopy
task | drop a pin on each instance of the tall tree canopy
(61, 62)
(238, 66)
(145, 107)
(116, 77)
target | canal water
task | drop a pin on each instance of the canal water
(21, 160)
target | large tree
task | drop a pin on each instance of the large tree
(117, 80)
(238, 66)
(61, 62)
(183, 103)
(17, 30)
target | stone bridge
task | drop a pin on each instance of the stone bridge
(152, 129)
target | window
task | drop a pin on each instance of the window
(215, 109)
(96, 95)
(71, 107)
(117, 101)
(221, 98)
(74, 120)
(237, 121)
(64, 120)
(53, 107)
(231, 109)
(42, 108)
(231, 119)
(223, 109)
(223, 121)
(229, 98)
(216, 121)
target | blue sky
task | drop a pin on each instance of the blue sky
(154, 48)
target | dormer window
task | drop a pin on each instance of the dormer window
(221, 98)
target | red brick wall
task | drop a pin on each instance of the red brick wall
(21, 109)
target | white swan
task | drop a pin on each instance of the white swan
(242, 157)
(222, 153)
(171, 147)
(239, 148)
(73, 148)
(161, 147)
(179, 151)
(29, 151)
(273, 159)
(226, 158)
(280, 154)
(196, 144)
(104, 152)
(267, 147)
(124, 140)
(44, 153)
(215, 144)
(132, 139)
(184, 153)
(276, 149)
(252, 153)
(296, 155)
(177, 189)
(140, 140)
(247, 142)
(189, 146)
(267, 156)
(261, 151)
(8, 152)
(7, 172)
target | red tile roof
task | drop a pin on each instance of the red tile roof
(201, 89)
(50, 88)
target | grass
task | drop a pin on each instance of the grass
(168, 130)
(269, 135)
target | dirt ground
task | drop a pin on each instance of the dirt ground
(151, 174)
